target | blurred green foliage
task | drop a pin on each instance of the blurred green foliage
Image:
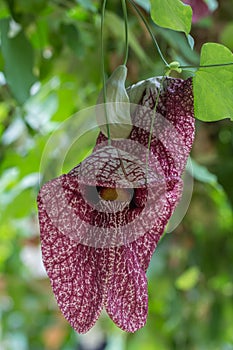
(49, 70)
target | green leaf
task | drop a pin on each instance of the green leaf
(188, 279)
(172, 14)
(19, 61)
(213, 86)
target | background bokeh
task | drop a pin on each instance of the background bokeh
(50, 68)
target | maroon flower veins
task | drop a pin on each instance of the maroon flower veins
(101, 222)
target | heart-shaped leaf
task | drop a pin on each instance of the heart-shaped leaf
(172, 14)
(213, 86)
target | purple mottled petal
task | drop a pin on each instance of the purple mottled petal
(144, 246)
(173, 132)
(127, 300)
(176, 105)
(74, 271)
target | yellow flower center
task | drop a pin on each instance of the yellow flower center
(115, 194)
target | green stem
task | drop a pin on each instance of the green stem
(152, 124)
(103, 70)
(208, 65)
(150, 31)
(124, 7)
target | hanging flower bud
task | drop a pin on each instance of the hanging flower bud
(115, 111)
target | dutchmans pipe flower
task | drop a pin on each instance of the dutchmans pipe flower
(101, 222)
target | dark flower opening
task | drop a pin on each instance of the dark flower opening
(116, 194)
